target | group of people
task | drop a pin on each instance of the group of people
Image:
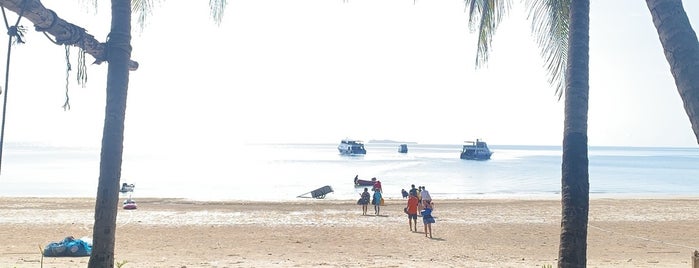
(419, 200)
(376, 199)
(419, 203)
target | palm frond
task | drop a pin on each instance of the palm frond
(484, 17)
(217, 8)
(143, 9)
(550, 20)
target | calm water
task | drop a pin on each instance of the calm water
(282, 172)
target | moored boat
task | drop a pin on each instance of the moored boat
(351, 147)
(359, 182)
(476, 150)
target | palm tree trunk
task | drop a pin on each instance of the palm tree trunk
(106, 206)
(681, 51)
(575, 186)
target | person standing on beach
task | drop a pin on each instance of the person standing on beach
(420, 206)
(425, 196)
(364, 200)
(377, 184)
(377, 202)
(404, 193)
(412, 212)
(413, 190)
(427, 218)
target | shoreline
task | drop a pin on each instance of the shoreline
(332, 198)
(171, 232)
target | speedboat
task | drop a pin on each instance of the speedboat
(351, 147)
(476, 150)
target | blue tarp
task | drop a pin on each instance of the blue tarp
(69, 247)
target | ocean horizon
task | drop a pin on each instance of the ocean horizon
(283, 172)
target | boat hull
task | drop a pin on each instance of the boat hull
(364, 183)
(466, 156)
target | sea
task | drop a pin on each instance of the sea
(288, 172)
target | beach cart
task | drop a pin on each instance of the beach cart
(318, 193)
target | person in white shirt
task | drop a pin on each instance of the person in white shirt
(426, 198)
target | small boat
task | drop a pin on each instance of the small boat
(358, 182)
(351, 147)
(125, 187)
(476, 150)
(403, 148)
(130, 204)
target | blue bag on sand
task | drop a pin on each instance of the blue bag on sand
(69, 247)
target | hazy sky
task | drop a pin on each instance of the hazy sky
(319, 71)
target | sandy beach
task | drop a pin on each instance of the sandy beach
(332, 233)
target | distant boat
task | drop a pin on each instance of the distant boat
(351, 147)
(403, 148)
(476, 150)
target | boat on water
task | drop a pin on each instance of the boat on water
(403, 148)
(476, 150)
(351, 147)
(360, 182)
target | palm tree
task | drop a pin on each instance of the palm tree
(119, 51)
(681, 51)
(119, 55)
(575, 182)
(561, 28)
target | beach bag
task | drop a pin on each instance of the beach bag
(381, 204)
(69, 247)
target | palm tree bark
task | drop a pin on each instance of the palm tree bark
(65, 33)
(575, 186)
(106, 206)
(681, 51)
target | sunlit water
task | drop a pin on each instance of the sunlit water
(285, 171)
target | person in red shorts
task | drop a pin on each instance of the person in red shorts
(411, 210)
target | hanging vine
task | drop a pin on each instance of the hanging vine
(81, 75)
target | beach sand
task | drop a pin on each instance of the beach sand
(333, 233)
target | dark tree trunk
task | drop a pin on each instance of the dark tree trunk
(575, 186)
(107, 202)
(681, 51)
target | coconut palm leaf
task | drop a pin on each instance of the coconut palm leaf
(484, 18)
(550, 20)
(143, 9)
(217, 7)
(549, 27)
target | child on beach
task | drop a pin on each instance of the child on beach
(377, 202)
(364, 200)
(427, 218)
(411, 209)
